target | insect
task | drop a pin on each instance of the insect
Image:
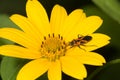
(81, 40)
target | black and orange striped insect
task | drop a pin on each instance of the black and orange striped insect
(81, 40)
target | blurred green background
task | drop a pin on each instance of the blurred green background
(108, 10)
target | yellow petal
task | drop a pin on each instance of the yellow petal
(74, 51)
(19, 52)
(54, 72)
(85, 57)
(27, 27)
(88, 26)
(98, 40)
(72, 20)
(91, 59)
(18, 37)
(57, 19)
(72, 67)
(33, 69)
(72, 33)
(38, 16)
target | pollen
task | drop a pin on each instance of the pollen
(53, 47)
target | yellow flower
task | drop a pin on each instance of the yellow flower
(47, 43)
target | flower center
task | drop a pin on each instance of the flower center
(53, 47)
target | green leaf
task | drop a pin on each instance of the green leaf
(6, 22)
(10, 67)
(111, 7)
(110, 71)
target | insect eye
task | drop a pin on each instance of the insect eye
(88, 38)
